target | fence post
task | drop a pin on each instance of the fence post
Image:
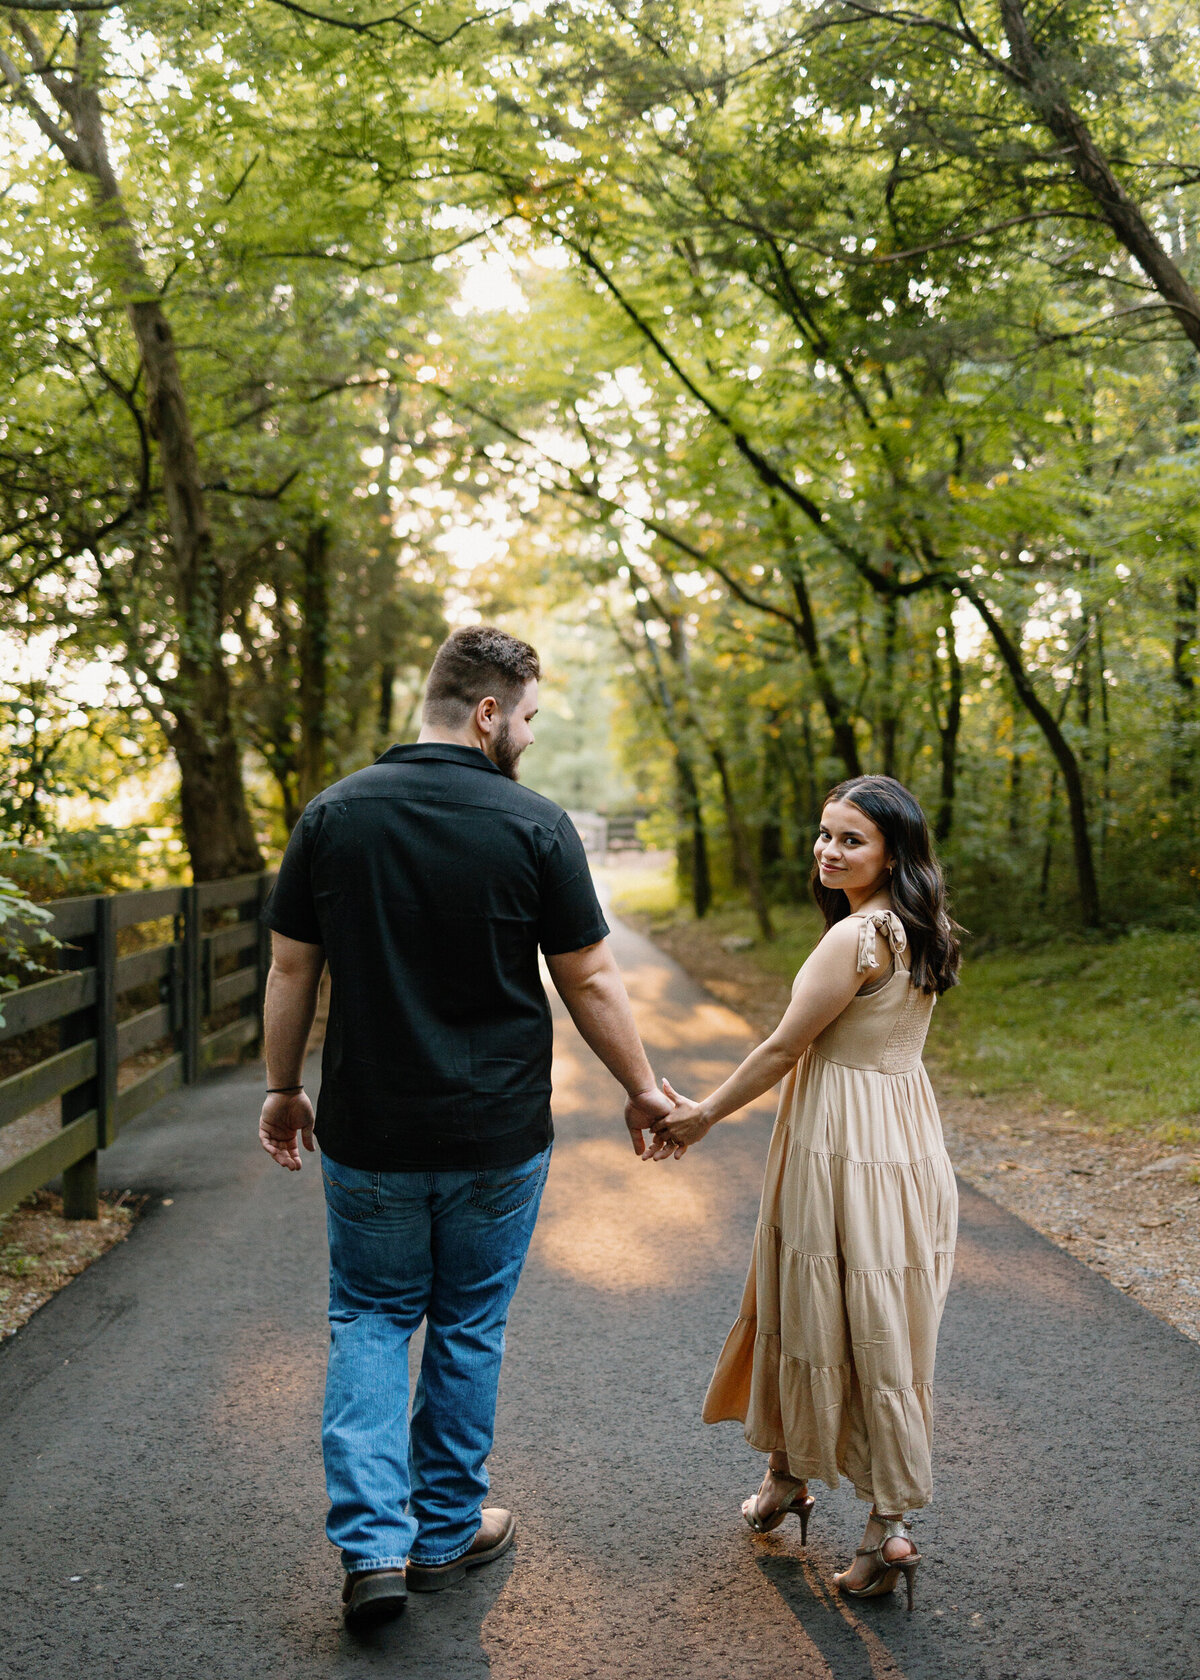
(193, 1006)
(263, 956)
(175, 978)
(106, 1021)
(81, 1182)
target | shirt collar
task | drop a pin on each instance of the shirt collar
(473, 758)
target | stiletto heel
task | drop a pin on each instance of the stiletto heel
(800, 1503)
(887, 1570)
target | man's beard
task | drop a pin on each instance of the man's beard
(503, 754)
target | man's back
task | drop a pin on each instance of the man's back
(431, 879)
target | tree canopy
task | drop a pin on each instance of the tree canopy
(838, 380)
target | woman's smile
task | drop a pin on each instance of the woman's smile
(850, 844)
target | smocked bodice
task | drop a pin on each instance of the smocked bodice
(884, 1029)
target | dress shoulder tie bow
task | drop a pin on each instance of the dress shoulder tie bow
(892, 928)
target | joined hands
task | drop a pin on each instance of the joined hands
(674, 1123)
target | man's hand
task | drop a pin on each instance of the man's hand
(641, 1110)
(285, 1117)
(676, 1132)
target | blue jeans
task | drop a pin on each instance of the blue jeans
(447, 1247)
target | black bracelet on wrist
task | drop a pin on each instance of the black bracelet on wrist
(283, 1090)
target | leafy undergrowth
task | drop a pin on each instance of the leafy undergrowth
(1105, 1032)
(40, 1251)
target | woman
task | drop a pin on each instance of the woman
(830, 1363)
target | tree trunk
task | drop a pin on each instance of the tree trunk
(212, 798)
(1060, 747)
(841, 727)
(385, 572)
(810, 768)
(745, 862)
(272, 726)
(1183, 720)
(1016, 789)
(948, 725)
(216, 822)
(384, 705)
(692, 857)
(314, 663)
(1048, 843)
(691, 847)
(889, 711)
(770, 836)
(1105, 744)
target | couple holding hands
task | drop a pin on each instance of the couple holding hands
(429, 881)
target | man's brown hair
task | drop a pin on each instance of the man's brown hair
(473, 663)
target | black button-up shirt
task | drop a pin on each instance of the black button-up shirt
(431, 880)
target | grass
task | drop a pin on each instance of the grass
(1106, 1033)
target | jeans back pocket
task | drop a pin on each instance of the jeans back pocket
(502, 1190)
(350, 1193)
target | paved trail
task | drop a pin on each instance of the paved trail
(162, 1497)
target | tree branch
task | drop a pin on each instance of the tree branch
(57, 6)
(59, 138)
(252, 494)
(882, 582)
(583, 489)
(370, 25)
(873, 258)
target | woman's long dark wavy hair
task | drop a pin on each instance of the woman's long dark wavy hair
(917, 886)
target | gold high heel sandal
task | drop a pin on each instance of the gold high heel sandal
(887, 1570)
(800, 1502)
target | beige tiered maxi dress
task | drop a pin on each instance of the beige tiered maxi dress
(831, 1358)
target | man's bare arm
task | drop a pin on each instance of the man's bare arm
(288, 1010)
(590, 984)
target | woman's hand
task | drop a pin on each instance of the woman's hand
(675, 1133)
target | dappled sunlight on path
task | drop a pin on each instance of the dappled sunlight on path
(615, 1222)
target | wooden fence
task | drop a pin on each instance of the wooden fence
(128, 996)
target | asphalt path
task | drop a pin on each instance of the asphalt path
(162, 1500)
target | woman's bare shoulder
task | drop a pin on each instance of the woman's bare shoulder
(836, 944)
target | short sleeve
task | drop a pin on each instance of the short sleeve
(291, 908)
(570, 916)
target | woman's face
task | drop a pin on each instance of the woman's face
(851, 852)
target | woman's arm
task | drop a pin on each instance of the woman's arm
(828, 981)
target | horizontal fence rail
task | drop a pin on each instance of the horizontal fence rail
(111, 1004)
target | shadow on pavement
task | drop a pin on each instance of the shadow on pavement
(875, 1641)
(439, 1634)
(844, 1645)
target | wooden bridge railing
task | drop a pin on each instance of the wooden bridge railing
(124, 990)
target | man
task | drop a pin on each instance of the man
(428, 881)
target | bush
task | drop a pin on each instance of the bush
(90, 860)
(24, 938)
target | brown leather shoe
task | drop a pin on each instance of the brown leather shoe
(496, 1533)
(373, 1595)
